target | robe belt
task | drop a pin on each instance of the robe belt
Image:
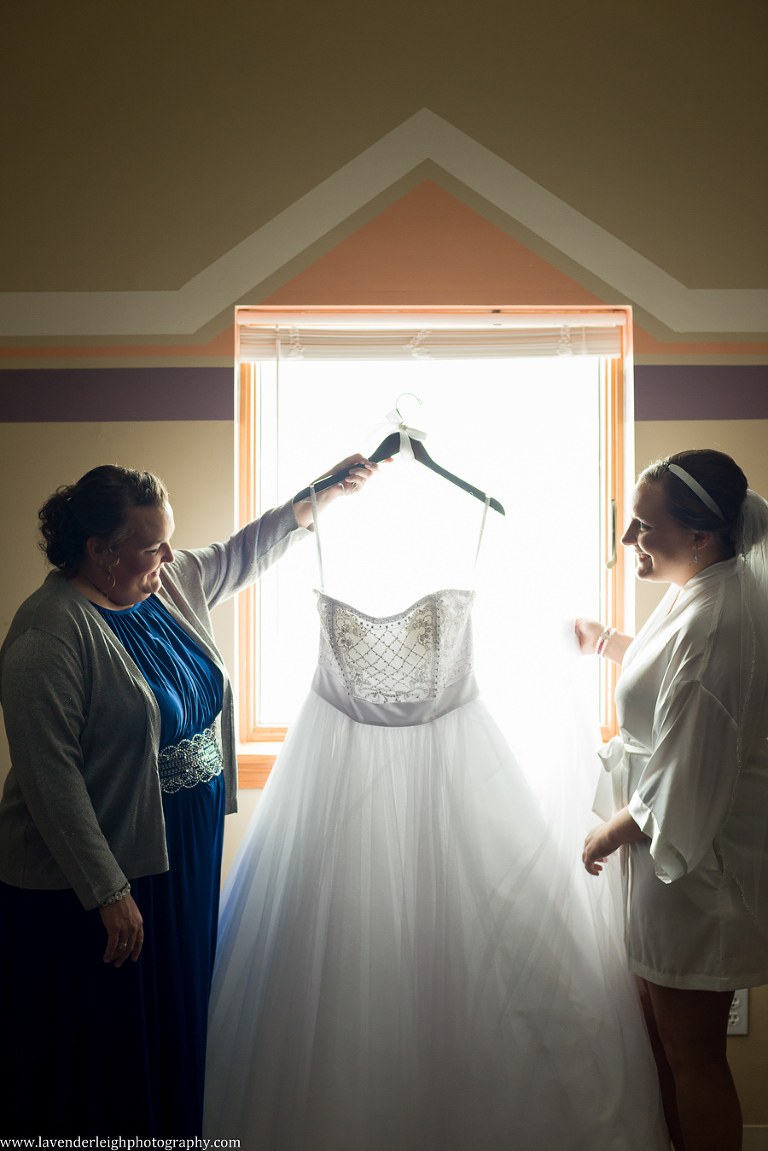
(618, 758)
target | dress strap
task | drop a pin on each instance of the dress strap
(482, 529)
(315, 528)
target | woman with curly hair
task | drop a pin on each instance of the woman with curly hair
(120, 721)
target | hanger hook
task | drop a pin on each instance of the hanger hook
(399, 398)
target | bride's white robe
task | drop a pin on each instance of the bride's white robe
(696, 890)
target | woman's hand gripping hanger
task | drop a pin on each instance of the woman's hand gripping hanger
(405, 439)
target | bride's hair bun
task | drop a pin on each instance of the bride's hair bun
(97, 505)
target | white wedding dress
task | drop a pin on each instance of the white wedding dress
(406, 959)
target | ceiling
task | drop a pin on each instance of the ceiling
(142, 142)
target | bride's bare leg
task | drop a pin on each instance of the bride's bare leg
(666, 1078)
(692, 1027)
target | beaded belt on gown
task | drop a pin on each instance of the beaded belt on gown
(190, 761)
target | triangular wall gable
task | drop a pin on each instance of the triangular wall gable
(429, 248)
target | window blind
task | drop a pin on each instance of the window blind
(441, 336)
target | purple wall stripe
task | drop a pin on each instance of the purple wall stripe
(39, 395)
(701, 392)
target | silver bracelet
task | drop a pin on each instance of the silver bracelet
(602, 640)
(121, 894)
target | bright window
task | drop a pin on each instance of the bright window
(537, 432)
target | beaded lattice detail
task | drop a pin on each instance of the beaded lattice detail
(190, 761)
(401, 658)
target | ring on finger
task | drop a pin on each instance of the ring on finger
(121, 946)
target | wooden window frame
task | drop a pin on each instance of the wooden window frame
(616, 421)
(257, 741)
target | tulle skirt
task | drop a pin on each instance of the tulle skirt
(410, 956)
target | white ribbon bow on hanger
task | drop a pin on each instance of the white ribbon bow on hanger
(395, 423)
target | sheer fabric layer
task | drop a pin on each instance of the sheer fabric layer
(405, 959)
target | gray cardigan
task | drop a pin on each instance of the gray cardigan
(82, 806)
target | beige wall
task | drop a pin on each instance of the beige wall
(745, 440)
(152, 138)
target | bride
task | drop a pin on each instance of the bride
(409, 954)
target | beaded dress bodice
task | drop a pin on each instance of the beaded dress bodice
(398, 670)
(404, 658)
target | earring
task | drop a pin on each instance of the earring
(695, 553)
(108, 571)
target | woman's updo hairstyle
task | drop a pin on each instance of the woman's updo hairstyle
(97, 505)
(722, 480)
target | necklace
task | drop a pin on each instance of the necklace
(99, 590)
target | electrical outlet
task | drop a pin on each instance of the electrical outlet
(738, 1018)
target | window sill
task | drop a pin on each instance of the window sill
(254, 763)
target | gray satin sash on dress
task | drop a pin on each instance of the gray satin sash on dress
(332, 690)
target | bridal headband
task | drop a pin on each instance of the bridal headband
(696, 487)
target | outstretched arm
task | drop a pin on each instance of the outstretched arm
(223, 569)
(588, 632)
(353, 483)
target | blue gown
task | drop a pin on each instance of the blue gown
(102, 1051)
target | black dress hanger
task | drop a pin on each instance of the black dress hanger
(390, 447)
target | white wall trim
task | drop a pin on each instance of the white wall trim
(425, 136)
